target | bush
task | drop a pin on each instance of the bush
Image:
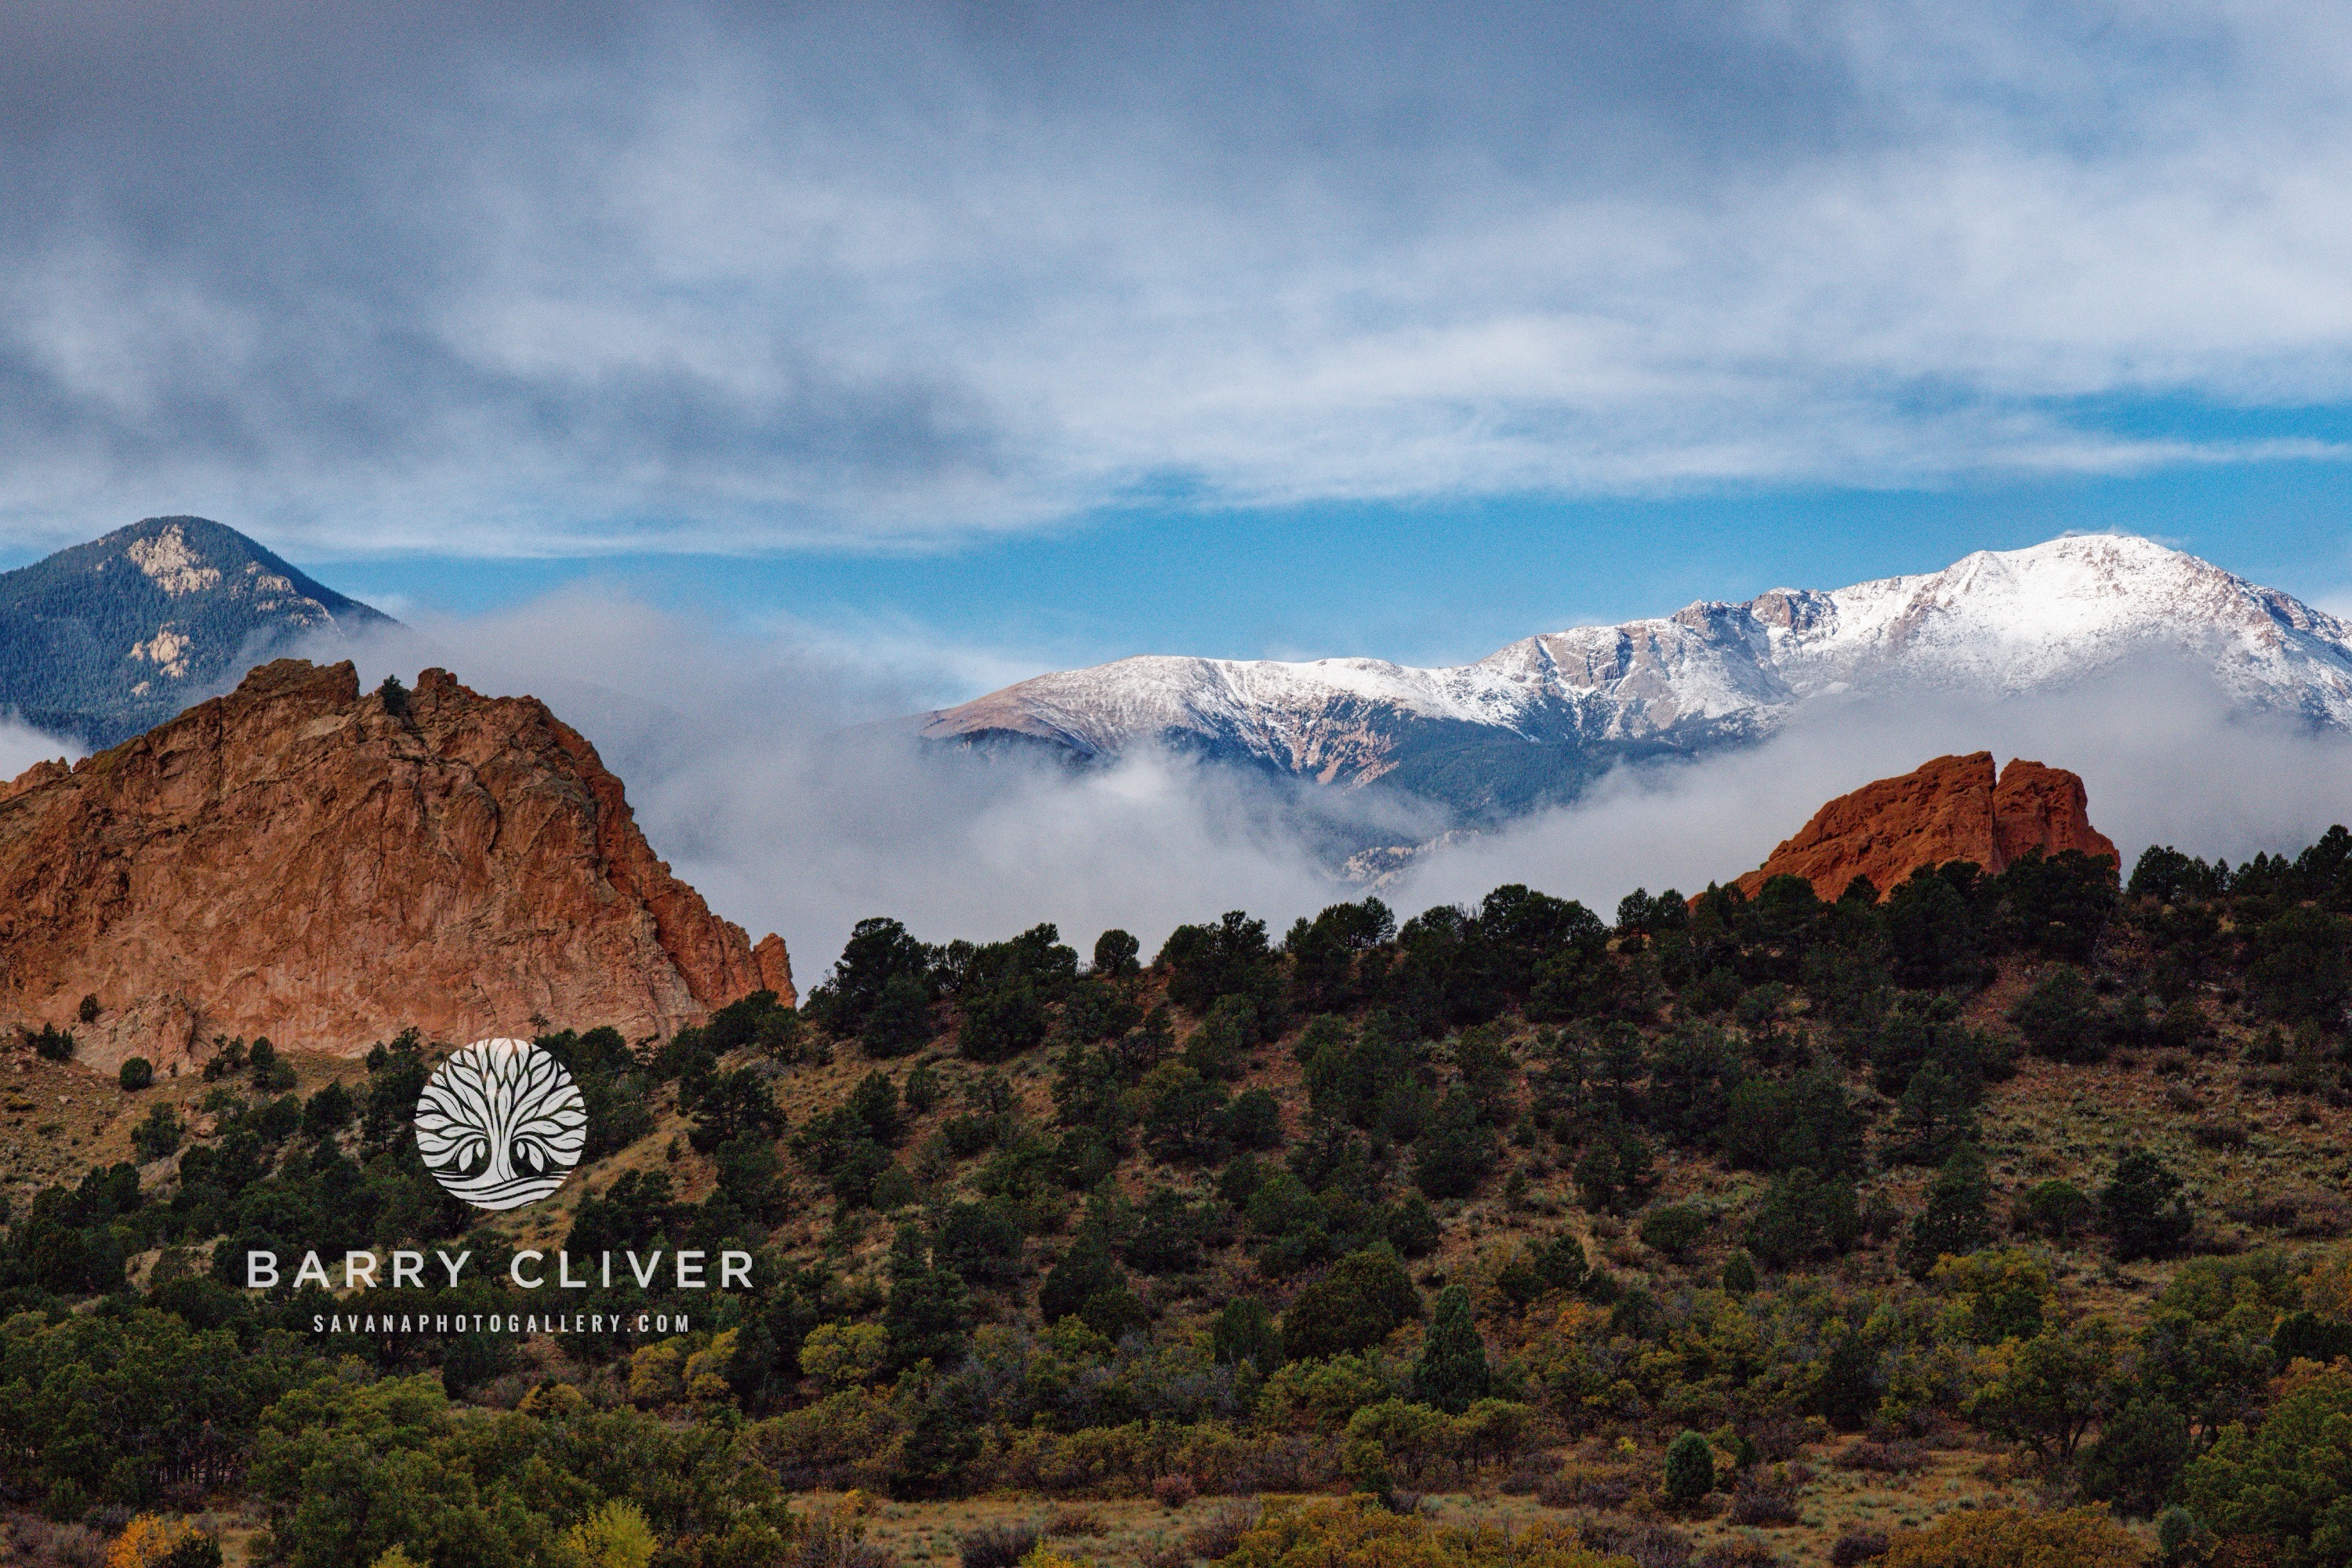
(996, 1545)
(1765, 1499)
(1175, 1490)
(1359, 1531)
(2013, 1538)
(1857, 1545)
(1214, 1539)
(136, 1074)
(87, 1011)
(1363, 1299)
(1738, 1552)
(1674, 1229)
(1648, 1545)
(157, 1136)
(53, 1043)
(1690, 1469)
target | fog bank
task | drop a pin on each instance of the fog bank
(783, 784)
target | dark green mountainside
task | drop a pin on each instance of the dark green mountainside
(110, 638)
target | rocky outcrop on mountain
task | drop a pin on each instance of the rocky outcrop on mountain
(1953, 808)
(299, 861)
(775, 968)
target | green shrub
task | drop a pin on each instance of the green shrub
(1690, 1469)
(136, 1074)
(1363, 1299)
(1674, 1229)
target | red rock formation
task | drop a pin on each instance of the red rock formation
(775, 968)
(1952, 808)
(295, 860)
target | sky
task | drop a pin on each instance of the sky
(975, 341)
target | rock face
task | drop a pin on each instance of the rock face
(1952, 808)
(297, 860)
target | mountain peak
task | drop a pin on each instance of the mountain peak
(1540, 719)
(103, 640)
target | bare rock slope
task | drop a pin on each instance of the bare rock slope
(295, 859)
(1952, 808)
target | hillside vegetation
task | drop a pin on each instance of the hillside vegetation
(1998, 1221)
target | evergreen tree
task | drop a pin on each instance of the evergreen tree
(2142, 1209)
(1457, 1151)
(1934, 1119)
(1690, 1469)
(1956, 1221)
(1082, 1272)
(1739, 1274)
(2140, 1449)
(1452, 1372)
(930, 1311)
(1244, 1332)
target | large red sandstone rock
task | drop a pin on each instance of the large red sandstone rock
(293, 860)
(1952, 808)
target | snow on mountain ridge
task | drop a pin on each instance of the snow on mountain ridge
(1994, 623)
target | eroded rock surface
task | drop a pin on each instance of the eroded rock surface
(1953, 808)
(295, 860)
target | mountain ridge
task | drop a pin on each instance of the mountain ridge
(1542, 717)
(105, 639)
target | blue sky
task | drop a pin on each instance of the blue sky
(975, 339)
(1436, 584)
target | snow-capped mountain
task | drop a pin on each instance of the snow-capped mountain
(1538, 719)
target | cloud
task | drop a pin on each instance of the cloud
(775, 777)
(2165, 756)
(538, 280)
(21, 746)
(778, 780)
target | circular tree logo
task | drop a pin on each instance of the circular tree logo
(500, 1124)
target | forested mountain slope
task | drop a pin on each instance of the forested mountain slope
(110, 637)
(1738, 1231)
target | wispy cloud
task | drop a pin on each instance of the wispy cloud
(774, 778)
(531, 281)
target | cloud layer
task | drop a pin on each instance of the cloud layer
(774, 781)
(550, 279)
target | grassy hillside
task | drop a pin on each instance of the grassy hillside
(1724, 1231)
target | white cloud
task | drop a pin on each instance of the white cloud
(717, 283)
(779, 783)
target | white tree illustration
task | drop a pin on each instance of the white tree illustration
(500, 1124)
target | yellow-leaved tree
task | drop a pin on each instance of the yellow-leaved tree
(616, 1536)
(152, 1541)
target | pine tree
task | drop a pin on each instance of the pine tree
(1956, 1221)
(1739, 1274)
(1452, 1372)
(2142, 1209)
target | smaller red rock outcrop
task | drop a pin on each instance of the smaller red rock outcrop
(1952, 808)
(775, 966)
